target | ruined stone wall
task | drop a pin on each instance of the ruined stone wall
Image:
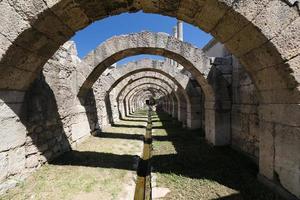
(13, 136)
(244, 111)
(264, 34)
(101, 103)
(244, 114)
(48, 119)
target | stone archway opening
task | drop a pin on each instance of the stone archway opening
(192, 58)
(150, 79)
(149, 67)
(254, 32)
(126, 92)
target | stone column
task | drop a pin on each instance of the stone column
(194, 113)
(114, 107)
(220, 110)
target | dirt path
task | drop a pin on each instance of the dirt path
(102, 167)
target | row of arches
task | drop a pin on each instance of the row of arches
(192, 58)
(266, 43)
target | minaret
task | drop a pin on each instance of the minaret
(180, 37)
(175, 34)
(180, 30)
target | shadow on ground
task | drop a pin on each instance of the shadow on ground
(197, 160)
(193, 158)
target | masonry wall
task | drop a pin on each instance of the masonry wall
(42, 123)
(13, 136)
(102, 104)
(244, 104)
(244, 113)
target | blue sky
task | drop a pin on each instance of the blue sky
(90, 37)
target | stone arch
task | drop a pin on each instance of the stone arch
(131, 95)
(148, 79)
(119, 107)
(139, 94)
(129, 91)
(120, 47)
(139, 87)
(65, 14)
(217, 129)
(117, 75)
(149, 76)
(182, 99)
(265, 42)
(139, 97)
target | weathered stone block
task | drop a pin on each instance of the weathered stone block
(287, 164)
(12, 78)
(16, 160)
(32, 149)
(266, 150)
(277, 113)
(210, 14)
(70, 13)
(32, 161)
(4, 45)
(10, 110)
(60, 34)
(244, 41)
(11, 96)
(80, 127)
(288, 41)
(231, 23)
(28, 9)
(12, 132)
(12, 23)
(3, 166)
(275, 17)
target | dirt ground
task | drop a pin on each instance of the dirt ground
(102, 167)
(183, 167)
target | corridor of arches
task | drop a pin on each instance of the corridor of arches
(147, 114)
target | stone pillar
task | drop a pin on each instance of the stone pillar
(120, 109)
(114, 107)
(220, 110)
(174, 107)
(168, 105)
(194, 114)
(183, 114)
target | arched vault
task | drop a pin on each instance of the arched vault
(264, 35)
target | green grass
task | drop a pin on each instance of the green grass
(99, 168)
(192, 169)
